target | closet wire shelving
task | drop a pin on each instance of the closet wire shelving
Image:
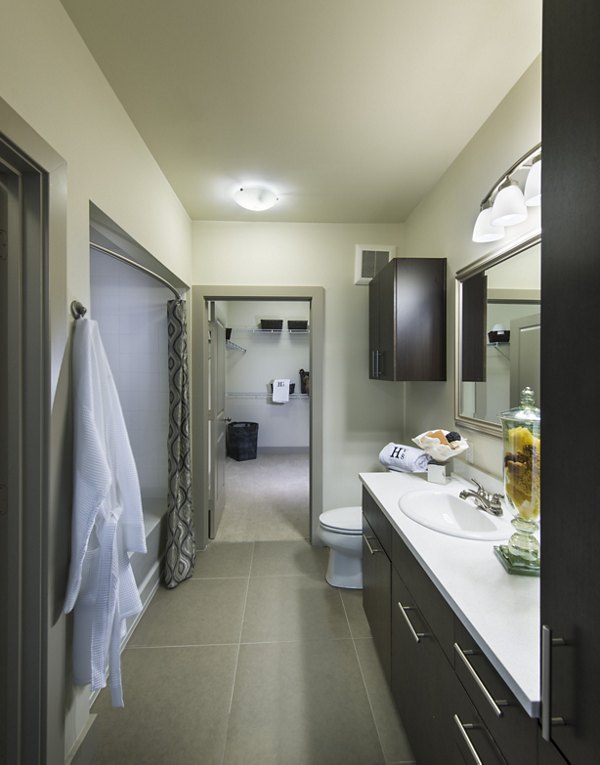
(259, 331)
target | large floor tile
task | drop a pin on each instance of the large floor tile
(198, 612)
(224, 559)
(392, 735)
(292, 608)
(353, 605)
(301, 704)
(291, 558)
(176, 704)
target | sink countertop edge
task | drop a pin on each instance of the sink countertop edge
(511, 646)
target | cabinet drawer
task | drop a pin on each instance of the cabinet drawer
(473, 742)
(420, 674)
(377, 593)
(378, 522)
(512, 728)
(432, 605)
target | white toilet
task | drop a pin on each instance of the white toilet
(341, 531)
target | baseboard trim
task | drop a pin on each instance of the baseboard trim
(283, 450)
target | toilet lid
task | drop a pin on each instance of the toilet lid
(343, 519)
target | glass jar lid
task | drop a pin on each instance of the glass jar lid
(527, 411)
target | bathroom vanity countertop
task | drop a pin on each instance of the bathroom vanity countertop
(501, 611)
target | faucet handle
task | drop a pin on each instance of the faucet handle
(480, 488)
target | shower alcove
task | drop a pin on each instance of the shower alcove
(129, 303)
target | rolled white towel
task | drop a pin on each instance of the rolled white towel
(405, 459)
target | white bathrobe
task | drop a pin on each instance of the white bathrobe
(107, 521)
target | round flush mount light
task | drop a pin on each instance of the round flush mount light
(255, 198)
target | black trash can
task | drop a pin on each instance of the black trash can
(242, 438)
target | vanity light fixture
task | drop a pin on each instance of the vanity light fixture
(533, 185)
(507, 204)
(484, 231)
(255, 198)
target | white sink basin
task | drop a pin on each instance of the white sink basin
(447, 513)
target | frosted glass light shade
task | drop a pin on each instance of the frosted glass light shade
(509, 207)
(483, 230)
(256, 198)
(533, 186)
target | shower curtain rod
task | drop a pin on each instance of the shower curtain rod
(139, 267)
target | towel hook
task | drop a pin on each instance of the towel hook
(78, 309)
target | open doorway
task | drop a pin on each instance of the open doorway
(266, 401)
(206, 428)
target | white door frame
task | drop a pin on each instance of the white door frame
(315, 296)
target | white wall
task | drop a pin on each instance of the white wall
(360, 416)
(49, 77)
(441, 226)
(268, 356)
(49, 80)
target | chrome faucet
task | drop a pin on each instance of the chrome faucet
(490, 503)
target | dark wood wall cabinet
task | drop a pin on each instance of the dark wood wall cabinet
(407, 320)
(455, 707)
(570, 613)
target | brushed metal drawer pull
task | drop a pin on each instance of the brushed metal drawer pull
(463, 727)
(371, 550)
(417, 635)
(547, 720)
(494, 703)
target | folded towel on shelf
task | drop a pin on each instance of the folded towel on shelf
(281, 391)
(405, 459)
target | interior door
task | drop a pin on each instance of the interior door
(217, 421)
(4, 421)
(525, 357)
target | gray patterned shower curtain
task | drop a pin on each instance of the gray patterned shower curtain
(180, 557)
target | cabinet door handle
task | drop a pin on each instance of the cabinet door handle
(380, 366)
(547, 720)
(494, 703)
(371, 550)
(417, 635)
(373, 364)
(463, 727)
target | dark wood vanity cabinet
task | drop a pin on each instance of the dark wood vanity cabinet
(377, 581)
(507, 722)
(421, 678)
(452, 702)
(407, 320)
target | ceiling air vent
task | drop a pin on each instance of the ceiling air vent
(371, 258)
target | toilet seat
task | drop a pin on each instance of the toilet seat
(342, 520)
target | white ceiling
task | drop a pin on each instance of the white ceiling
(351, 109)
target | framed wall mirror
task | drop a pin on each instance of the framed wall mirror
(497, 348)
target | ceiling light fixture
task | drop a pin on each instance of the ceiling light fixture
(507, 204)
(255, 198)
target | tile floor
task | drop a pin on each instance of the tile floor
(254, 661)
